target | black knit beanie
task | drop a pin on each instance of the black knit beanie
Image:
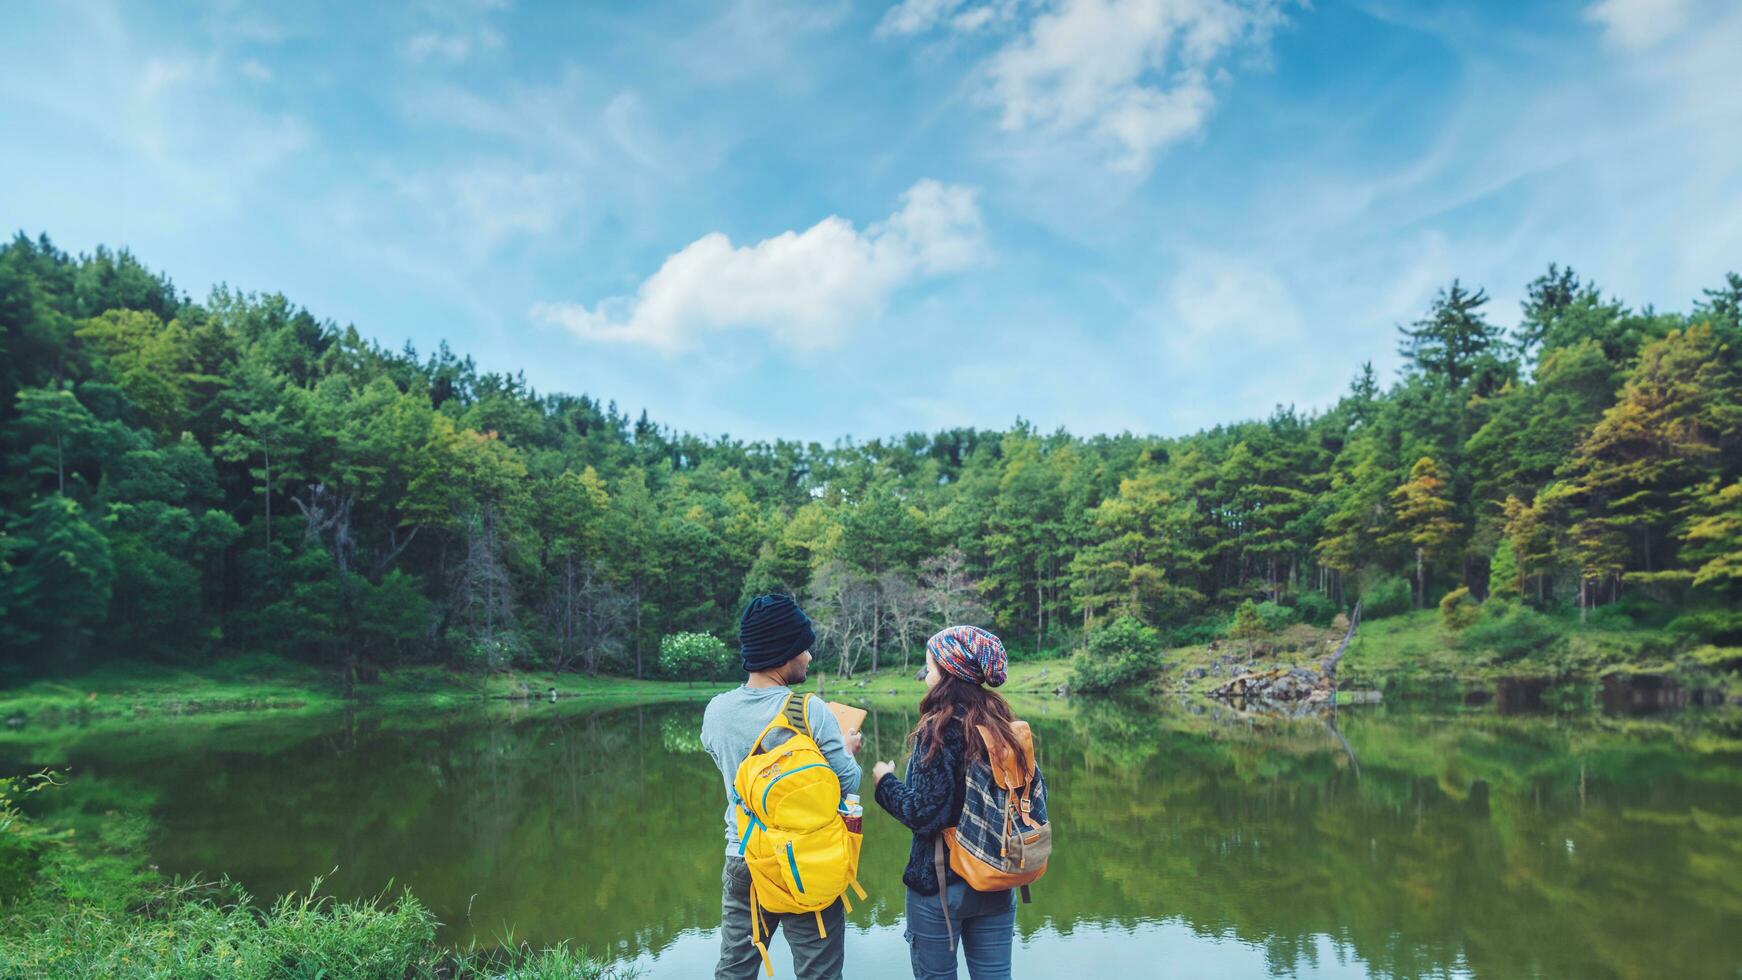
(772, 631)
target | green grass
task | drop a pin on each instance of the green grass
(141, 690)
(1408, 653)
(131, 696)
(1030, 685)
(183, 932)
(92, 907)
(1415, 651)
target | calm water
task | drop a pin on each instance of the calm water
(1401, 843)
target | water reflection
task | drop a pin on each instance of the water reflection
(1395, 843)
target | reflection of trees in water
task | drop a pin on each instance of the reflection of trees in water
(1450, 848)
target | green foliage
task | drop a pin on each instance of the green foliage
(1511, 631)
(1246, 624)
(1573, 697)
(20, 856)
(1389, 596)
(1315, 608)
(697, 656)
(1709, 626)
(1504, 576)
(21, 843)
(1199, 632)
(1275, 617)
(69, 911)
(195, 481)
(1119, 656)
(59, 571)
(1459, 610)
(1454, 343)
(298, 936)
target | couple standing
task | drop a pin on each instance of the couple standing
(949, 768)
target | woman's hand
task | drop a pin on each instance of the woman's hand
(853, 739)
(880, 770)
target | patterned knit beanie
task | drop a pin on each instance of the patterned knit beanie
(970, 653)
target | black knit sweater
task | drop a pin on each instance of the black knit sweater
(929, 800)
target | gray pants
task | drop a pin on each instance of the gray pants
(813, 957)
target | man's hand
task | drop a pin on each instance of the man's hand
(854, 739)
(880, 770)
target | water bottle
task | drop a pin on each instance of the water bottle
(854, 815)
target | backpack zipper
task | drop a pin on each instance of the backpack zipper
(793, 863)
(771, 782)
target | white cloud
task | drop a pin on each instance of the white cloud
(804, 288)
(1639, 23)
(919, 16)
(1216, 301)
(916, 16)
(455, 47)
(1129, 77)
(1132, 75)
(482, 205)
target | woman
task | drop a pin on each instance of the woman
(962, 664)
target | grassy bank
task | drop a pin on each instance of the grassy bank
(123, 694)
(1417, 653)
(1411, 655)
(1406, 655)
(78, 899)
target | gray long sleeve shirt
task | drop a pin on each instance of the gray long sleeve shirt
(736, 717)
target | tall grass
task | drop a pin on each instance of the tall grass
(192, 931)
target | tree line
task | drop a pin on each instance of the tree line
(189, 480)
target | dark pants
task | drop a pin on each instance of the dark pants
(984, 924)
(813, 957)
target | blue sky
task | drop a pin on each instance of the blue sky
(813, 219)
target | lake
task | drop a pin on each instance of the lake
(1390, 841)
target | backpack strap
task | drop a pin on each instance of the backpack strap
(798, 712)
(795, 712)
(756, 930)
(941, 864)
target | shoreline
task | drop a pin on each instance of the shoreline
(1408, 658)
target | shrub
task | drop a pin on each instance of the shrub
(1503, 576)
(1121, 654)
(1511, 630)
(1314, 607)
(1199, 632)
(1275, 617)
(1248, 626)
(1633, 610)
(696, 656)
(1458, 610)
(21, 843)
(1390, 596)
(1721, 626)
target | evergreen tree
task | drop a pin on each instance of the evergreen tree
(1424, 519)
(1452, 342)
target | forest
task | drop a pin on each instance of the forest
(191, 480)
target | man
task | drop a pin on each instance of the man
(776, 639)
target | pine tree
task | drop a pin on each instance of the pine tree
(1424, 519)
(1451, 342)
(1677, 410)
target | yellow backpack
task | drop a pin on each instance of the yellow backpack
(799, 851)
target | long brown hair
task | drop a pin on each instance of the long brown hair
(975, 705)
